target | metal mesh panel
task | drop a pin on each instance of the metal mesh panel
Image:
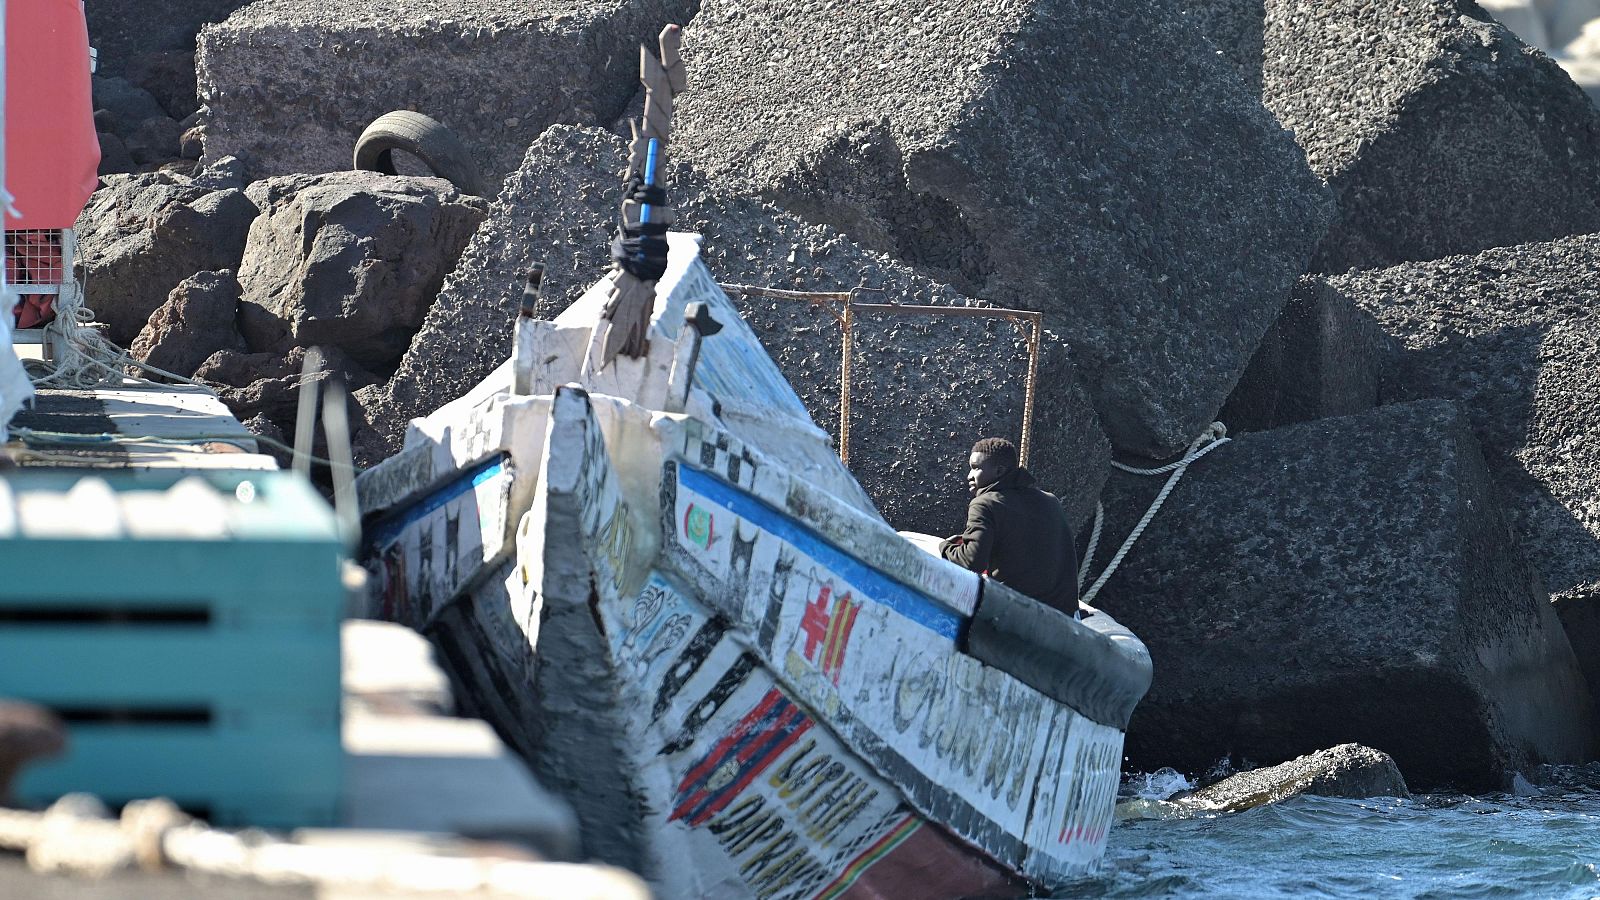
(34, 260)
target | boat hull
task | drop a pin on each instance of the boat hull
(746, 683)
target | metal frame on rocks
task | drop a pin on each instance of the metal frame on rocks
(847, 299)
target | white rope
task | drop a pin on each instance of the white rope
(1215, 435)
(84, 358)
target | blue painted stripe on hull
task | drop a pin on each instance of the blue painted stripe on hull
(872, 584)
(386, 531)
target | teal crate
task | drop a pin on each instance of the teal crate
(205, 669)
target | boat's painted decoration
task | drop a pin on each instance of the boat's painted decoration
(672, 607)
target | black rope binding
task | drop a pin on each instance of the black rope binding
(640, 248)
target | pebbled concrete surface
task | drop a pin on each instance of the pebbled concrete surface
(1439, 130)
(290, 84)
(925, 389)
(1351, 579)
(1027, 154)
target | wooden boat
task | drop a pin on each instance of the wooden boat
(659, 583)
(649, 570)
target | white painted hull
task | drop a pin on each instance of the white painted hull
(665, 590)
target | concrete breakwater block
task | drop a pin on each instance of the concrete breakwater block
(924, 389)
(141, 235)
(291, 83)
(1513, 334)
(351, 259)
(1028, 154)
(1348, 770)
(1351, 579)
(1439, 130)
(1325, 356)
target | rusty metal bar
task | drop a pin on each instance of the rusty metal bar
(1032, 319)
(815, 298)
(848, 349)
(973, 312)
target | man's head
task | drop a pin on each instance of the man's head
(991, 459)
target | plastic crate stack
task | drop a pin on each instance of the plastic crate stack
(186, 628)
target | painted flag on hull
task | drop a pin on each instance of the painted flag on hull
(753, 745)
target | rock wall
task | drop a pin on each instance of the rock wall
(926, 388)
(1440, 132)
(291, 84)
(1029, 155)
(1351, 579)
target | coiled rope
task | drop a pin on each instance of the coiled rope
(1215, 435)
(84, 358)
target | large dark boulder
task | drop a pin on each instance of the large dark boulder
(1514, 335)
(140, 235)
(924, 388)
(1351, 579)
(1237, 27)
(291, 84)
(169, 76)
(349, 259)
(1324, 357)
(120, 105)
(198, 319)
(1348, 770)
(1030, 154)
(127, 32)
(1439, 130)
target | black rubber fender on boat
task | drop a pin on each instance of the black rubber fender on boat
(1094, 665)
(423, 137)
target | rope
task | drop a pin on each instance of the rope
(85, 358)
(77, 836)
(1215, 435)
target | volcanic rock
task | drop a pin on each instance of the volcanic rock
(114, 156)
(1348, 770)
(196, 321)
(141, 235)
(1439, 130)
(154, 140)
(126, 32)
(1514, 335)
(1029, 154)
(237, 369)
(1324, 357)
(261, 426)
(349, 259)
(1351, 579)
(169, 76)
(192, 143)
(951, 380)
(1237, 27)
(120, 105)
(272, 382)
(291, 84)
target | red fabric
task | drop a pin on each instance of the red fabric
(52, 153)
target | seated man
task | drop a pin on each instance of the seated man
(1016, 533)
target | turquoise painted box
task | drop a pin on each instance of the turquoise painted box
(185, 626)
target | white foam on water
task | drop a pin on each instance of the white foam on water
(1157, 785)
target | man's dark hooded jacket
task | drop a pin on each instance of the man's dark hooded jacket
(1020, 536)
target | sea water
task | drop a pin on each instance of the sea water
(1539, 841)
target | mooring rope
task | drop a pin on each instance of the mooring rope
(1215, 435)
